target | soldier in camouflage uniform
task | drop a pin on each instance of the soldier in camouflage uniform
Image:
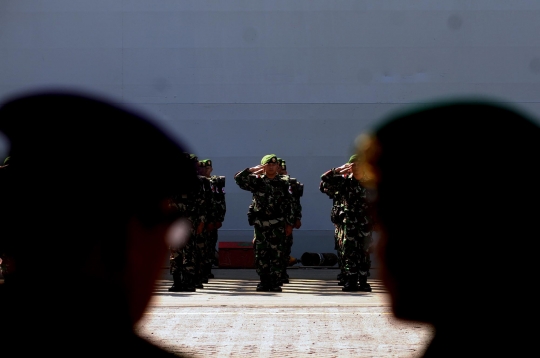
(218, 209)
(354, 224)
(183, 259)
(327, 188)
(297, 190)
(273, 218)
(204, 204)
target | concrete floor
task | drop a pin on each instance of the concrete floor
(312, 317)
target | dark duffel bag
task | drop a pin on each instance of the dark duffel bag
(315, 259)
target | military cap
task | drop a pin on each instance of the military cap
(269, 158)
(353, 158)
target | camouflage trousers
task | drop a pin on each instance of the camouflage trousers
(355, 253)
(211, 248)
(176, 257)
(287, 246)
(182, 261)
(338, 236)
(269, 251)
(201, 244)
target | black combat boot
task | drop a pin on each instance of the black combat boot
(188, 283)
(342, 280)
(284, 277)
(177, 283)
(274, 284)
(352, 283)
(264, 285)
(362, 284)
(209, 273)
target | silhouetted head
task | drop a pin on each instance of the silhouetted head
(86, 200)
(457, 206)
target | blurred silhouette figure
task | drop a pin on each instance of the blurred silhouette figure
(457, 206)
(85, 217)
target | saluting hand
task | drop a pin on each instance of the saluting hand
(256, 169)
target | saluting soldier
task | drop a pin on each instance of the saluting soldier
(297, 190)
(354, 224)
(217, 216)
(328, 187)
(273, 218)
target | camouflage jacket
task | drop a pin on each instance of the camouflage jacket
(192, 205)
(218, 198)
(272, 201)
(350, 207)
(297, 190)
(205, 200)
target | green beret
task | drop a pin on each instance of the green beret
(6, 161)
(201, 163)
(269, 158)
(193, 156)
(353, 158)
(207, 162)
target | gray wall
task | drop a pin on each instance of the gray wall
(236, 79)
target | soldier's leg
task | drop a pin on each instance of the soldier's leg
(364, 263)
(175, 267)
(189, 265)
(200, 251)
(338, 238)
(287, 247)
(262, 259)
(211, 253)
(350, 260)
(276, 239)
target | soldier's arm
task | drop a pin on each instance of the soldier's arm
(290, 214)
(290, 220)
(219, 200)
(298, 206)
(246, 180)
(298, 215)
(331, 182)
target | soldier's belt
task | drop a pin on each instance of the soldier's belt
(269, 223)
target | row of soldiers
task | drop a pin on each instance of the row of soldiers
(191, 262)
(274, 212)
